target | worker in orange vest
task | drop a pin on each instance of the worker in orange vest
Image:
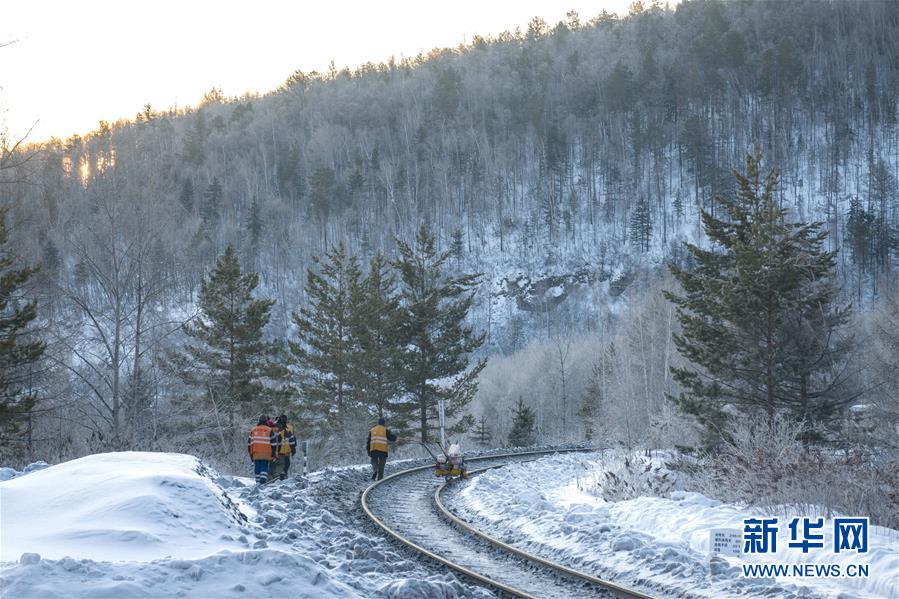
(376, 445)
(261, 445)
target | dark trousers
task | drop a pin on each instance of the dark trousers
(260, 469)
(378, 461)
(286, 467)
(278, 469)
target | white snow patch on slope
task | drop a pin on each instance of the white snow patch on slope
(115, 507)
(139, 524)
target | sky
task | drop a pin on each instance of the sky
(73, 63)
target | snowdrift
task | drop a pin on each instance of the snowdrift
(128, 506)
(139, 524)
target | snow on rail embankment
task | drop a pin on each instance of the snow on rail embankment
(653, 543)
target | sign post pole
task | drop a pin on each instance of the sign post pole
(441, 416)
(305, 457)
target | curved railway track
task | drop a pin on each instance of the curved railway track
(407, 506)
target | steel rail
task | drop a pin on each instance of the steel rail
(465, 526)
(619, 590)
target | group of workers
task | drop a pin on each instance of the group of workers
(271, 444)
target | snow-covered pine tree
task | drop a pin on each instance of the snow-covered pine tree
(376, 367)
(322, 352)
(457, 247)
(482, 433)
(438, 343)
(20, 349)
(883, 195)
(678, 205)
(523, 419)
(641, 225)
(226, 359)
(186, 197)
(254, 228)
(592, 397)
(761, 324)
(212, 205)
(859, 237)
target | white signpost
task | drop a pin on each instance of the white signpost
(726, 541)
(440, 415)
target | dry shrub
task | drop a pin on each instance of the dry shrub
(637, 476)
(764, 465)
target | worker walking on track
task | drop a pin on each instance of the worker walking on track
(286, 447)
(261, 445)
(376, 446)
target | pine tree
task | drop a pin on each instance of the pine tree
(641, 225)
(447, 92)
(760, 324)
(882, 197)
(594, 393)
(678, 205)
(324, 188)
(435, 307)
(195, 141)
(619, 89)
(457, 247)
(20, 350)
(324, 349)
(226, 358)
(482, 433)
(291, 178)
(254, 223)
(376, 366)
(212, 204)
(254, 227)
(523, 419)
(859, 238)
(186, 197)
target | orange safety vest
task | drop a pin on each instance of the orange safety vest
(378, 438)
(283, 444)
(261, 442)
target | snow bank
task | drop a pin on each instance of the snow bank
(165, 525)
(142, 525)
(129, 506)
(655, 543)
(260, 573)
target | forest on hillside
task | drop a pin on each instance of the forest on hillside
(546, 150)
(566, 164)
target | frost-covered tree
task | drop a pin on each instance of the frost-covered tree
(376, 364)
(761, 321)
(211, 209)
(186, 197)
(438, 342)
(325, 344)
(482, 433)
(594, 394)
(20, 348)
(523, 425)
(641, 226)
(226, 361)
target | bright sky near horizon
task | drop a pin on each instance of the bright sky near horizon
(72, 64)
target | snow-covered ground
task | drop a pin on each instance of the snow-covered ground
(653, 543)
(164, 525)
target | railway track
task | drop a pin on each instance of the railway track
(408, 507)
